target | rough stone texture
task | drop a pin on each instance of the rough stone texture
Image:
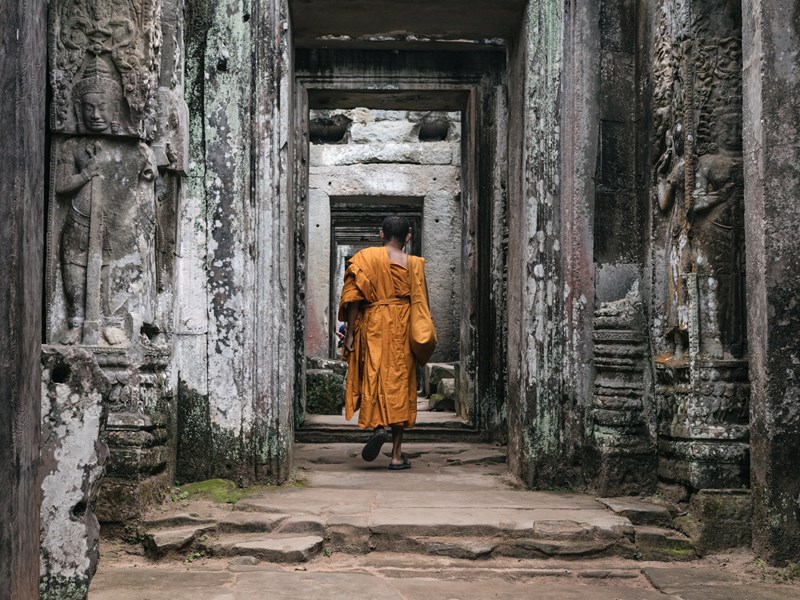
(639, 511)
(74, 411)
(718, 520)
(235, 327)
(772, 154)
(696, 247)
(126, 40)
(324, 392)
(549, 266)
(140, 432)
(433, 373)
(657, 543)
(623, 449)
(337, 366)
(711, 584)
(23, 52)
(101, 242)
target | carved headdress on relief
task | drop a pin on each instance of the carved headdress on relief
(126, 36)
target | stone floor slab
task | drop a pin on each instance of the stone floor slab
(158, 584)
(698, 583)
(498, 589)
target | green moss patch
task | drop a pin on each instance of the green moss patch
(222, 491)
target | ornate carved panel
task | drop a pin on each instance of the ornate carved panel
(104, 52)
(698, 244)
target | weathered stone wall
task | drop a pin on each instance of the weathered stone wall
(234, 334)
(385, 160)
(23, 51)
(772, 213)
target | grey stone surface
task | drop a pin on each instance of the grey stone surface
(718, 520)
(433, 373)
(22, 175)
(324, 392)
(277, 549)
(129, 62)
(658, 543)
(639, 511)
(74, 412)
(712, 584)
(335, 365)
(771, 98)
(220, 585)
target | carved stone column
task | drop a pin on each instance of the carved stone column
(623, 446)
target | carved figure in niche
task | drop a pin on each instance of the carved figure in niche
(716, 237)
(670, 197)
(106, 246)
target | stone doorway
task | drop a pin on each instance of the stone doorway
(429, 149)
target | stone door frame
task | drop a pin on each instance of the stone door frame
(483, 208)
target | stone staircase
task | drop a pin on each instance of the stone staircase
(455, 502)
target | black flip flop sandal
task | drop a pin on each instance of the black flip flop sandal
(406, 464)
(373, 446)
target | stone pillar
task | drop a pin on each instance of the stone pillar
(623, 449)
(771, 37)
(23, 51)
(118, 151)
(696, 286)
(74, 412)
(235, 341)
(552, 142)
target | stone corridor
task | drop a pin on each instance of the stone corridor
(455, 526)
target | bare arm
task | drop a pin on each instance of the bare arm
(68, 179)
(352, 313)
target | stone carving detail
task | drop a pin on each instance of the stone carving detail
(139, 433)
(697, 191)
(623, 446)
(697, 181)
(103, 225)
(120, 39)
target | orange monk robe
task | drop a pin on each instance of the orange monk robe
(381, 376)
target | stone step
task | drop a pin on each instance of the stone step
(159, 542)
(250, 522)
(639, 511)
(179, 519)
(657, 543)
(271, 548)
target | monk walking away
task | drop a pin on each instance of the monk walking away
(380, 285)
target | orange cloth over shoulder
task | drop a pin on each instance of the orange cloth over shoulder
(381, 378)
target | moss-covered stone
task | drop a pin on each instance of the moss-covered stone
(324, 392)
(223, 491)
